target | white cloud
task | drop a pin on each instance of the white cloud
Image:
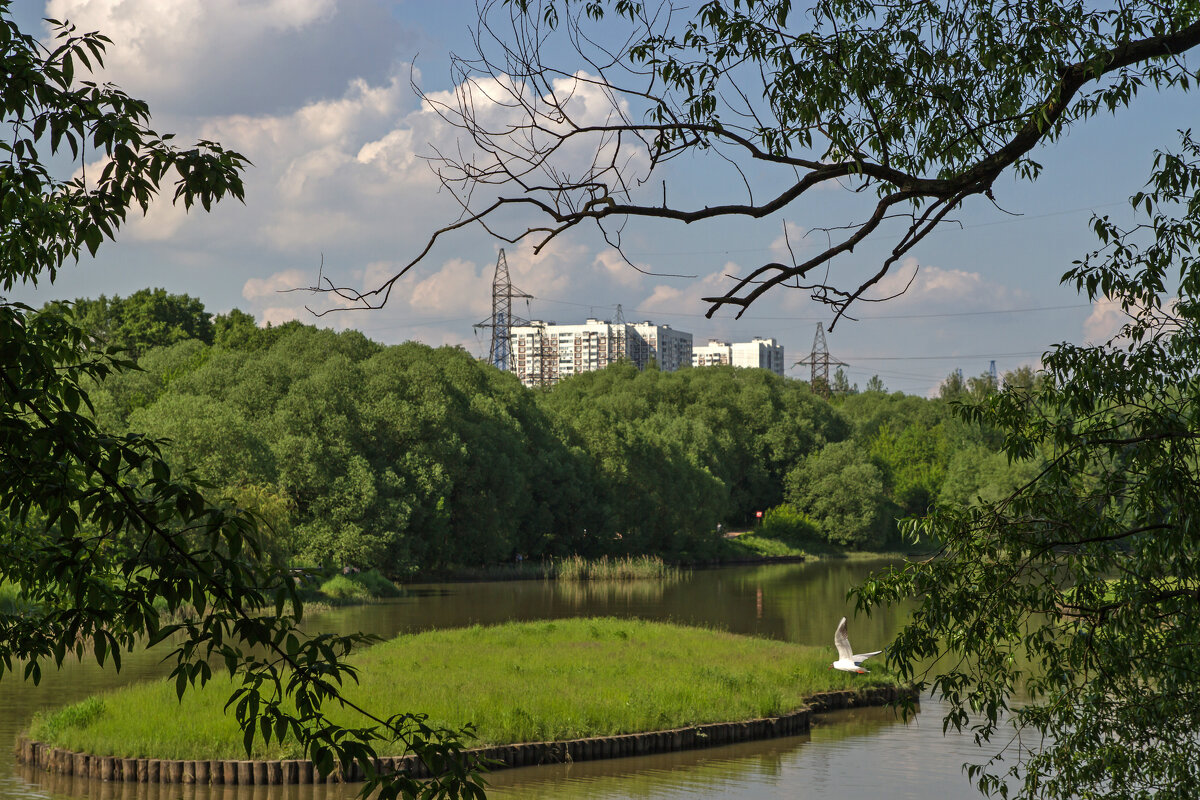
(274, 299)
(1108, 317)
(219, 56)
(935, 286)
(667, 298)
(259, 288)
(793, 235)
(277, 315)
(459, 286)
(687, 300)
(611, 266)
(1104, 321)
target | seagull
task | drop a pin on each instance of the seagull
(848, 660)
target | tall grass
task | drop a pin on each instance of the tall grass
(572, 568)
(530, 681)
(577, 568)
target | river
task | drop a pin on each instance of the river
(866, 753)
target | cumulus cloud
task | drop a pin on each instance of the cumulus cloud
(1104, 321)
(610, 265)
(458, 286)
(275, 299)
(222, 56)
(1108, 317)
(259, 288)
(930, 286)
(672, 299)
(666, 298)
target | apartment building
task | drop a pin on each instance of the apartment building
(543, 353)
(764, 353)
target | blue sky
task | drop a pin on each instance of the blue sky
(316, 93)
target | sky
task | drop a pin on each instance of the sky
(317, 94)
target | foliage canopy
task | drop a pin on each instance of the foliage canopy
(96, 530)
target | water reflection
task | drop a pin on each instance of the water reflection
(865, 753)
(614, 595)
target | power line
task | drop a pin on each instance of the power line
(950, 358)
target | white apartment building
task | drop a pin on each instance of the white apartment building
(759, 352)
(672, 349)
(542, 353)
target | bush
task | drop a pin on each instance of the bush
(788, 524)
(359, 587)
(341, 587)
(376, 583)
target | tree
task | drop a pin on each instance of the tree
(876, 384)
(96, 527)
(842, 491)
(841, 384)
(1080, 586)
(147, 318)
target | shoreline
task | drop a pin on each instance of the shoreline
(223, 772)
(501, 575)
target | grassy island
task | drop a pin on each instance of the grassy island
(518, 682)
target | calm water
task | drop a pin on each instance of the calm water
(860, 754)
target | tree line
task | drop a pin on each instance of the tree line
(409, 457)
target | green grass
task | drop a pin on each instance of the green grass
(749, 545)
(531, 681)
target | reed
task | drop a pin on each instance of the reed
(627, 568)
(530, 681)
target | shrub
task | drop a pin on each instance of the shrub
(359, 587)
(376, 583)
(788, 524)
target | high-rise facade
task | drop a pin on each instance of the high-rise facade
(544, 353)
(760, 352)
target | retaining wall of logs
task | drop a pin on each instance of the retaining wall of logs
(220, 772)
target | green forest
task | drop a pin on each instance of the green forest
(407, 457)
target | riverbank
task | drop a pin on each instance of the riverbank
(741, 549)
(518, 682)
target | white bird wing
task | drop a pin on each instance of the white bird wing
(841, 640)
(857, 657)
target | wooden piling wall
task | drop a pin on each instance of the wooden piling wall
(240, 772)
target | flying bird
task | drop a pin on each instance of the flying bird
(848, 660)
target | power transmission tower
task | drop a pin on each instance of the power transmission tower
(992, 377)
(819, 359)
(502, 318)
(546, 352)
(620, 318)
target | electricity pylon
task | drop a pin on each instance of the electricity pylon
(502, 319)
(819, 359)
